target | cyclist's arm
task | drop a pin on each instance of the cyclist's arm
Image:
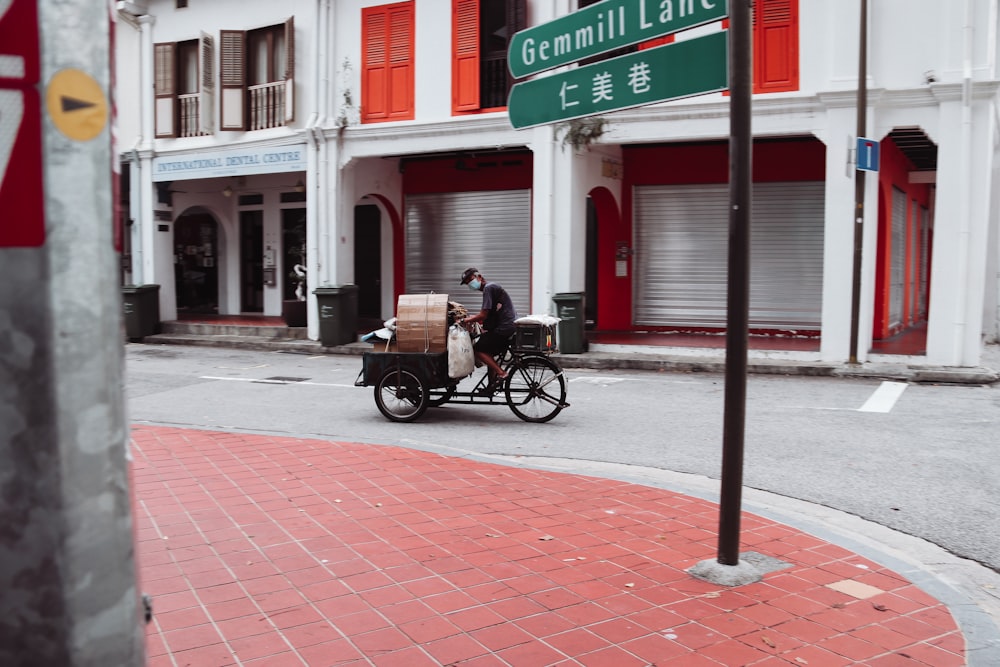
(478, 317)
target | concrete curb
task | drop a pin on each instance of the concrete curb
(670, 360)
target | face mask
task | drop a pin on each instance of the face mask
(474, 285)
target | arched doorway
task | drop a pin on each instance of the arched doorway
(907, 175)
(607, 270)
(379, 255)
(196, 271)
(368, 264)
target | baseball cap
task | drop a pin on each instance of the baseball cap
(469, 273)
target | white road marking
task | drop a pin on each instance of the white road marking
(606, 380)
(597, 380)
(313, 384)
(884, 398)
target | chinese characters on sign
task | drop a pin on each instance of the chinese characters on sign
(683, 69)
(602, 86)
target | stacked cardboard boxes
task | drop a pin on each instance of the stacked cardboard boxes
(422, 323)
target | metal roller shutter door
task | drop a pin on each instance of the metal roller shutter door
(448, 232)
(897, 277)
(924, 261)
(682, 237)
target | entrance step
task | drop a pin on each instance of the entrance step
(253, 331)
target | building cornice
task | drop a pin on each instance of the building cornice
(952, 92)
(291, 137)
(487, 131)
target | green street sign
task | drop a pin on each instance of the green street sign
(669, 72)
(602, 27)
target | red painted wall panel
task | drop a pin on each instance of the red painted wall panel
(510, 171)
(894, 169)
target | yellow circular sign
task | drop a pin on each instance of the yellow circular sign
(77, 104)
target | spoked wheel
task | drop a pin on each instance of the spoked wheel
(535, 389)
(400, 395)
(436, 400)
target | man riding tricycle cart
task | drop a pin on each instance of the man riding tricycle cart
(431, 353)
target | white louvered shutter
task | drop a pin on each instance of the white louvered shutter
(206, 89)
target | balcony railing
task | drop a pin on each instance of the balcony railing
(189, 115)
(267, 105)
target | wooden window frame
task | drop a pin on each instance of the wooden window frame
(775, 45)
(468, 52)
(234, 76)
(790, 52)
(165, 90)
(233, 80)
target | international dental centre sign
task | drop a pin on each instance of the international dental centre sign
(240, 162)
(603, 27)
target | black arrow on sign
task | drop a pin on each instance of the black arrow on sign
(73, 104)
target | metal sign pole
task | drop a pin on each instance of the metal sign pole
(67, 568)
(859, 186)
(738, 302)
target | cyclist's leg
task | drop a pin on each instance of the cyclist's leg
(487, 348)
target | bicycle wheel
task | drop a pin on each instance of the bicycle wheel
(535, 389)
(400, 395)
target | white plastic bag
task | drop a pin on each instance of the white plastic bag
(461, 360)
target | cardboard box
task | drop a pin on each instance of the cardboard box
(422, 323)
(379, 345)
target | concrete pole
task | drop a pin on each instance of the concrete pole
(67, 568)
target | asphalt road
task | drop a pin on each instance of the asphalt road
(920, 459)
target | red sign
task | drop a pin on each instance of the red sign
(21, 194)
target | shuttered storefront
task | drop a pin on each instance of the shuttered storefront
(449, 232)
(897, 279)
(681, 255)
(925, 247)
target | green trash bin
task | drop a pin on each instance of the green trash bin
(141, 306)
(338, 314)
(569, 310)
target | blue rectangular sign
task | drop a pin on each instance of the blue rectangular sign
(867, 154)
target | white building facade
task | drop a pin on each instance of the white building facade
(369, 143)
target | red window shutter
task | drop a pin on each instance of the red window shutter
(465, 58)
(401, 73)
(776, 46)
(374, 44)
(387, 62)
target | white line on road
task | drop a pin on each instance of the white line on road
(607, 380)
(884, 398)
(314, 384)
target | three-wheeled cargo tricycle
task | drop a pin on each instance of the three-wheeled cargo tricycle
(407, 383)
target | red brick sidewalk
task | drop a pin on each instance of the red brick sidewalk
(260, 550)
